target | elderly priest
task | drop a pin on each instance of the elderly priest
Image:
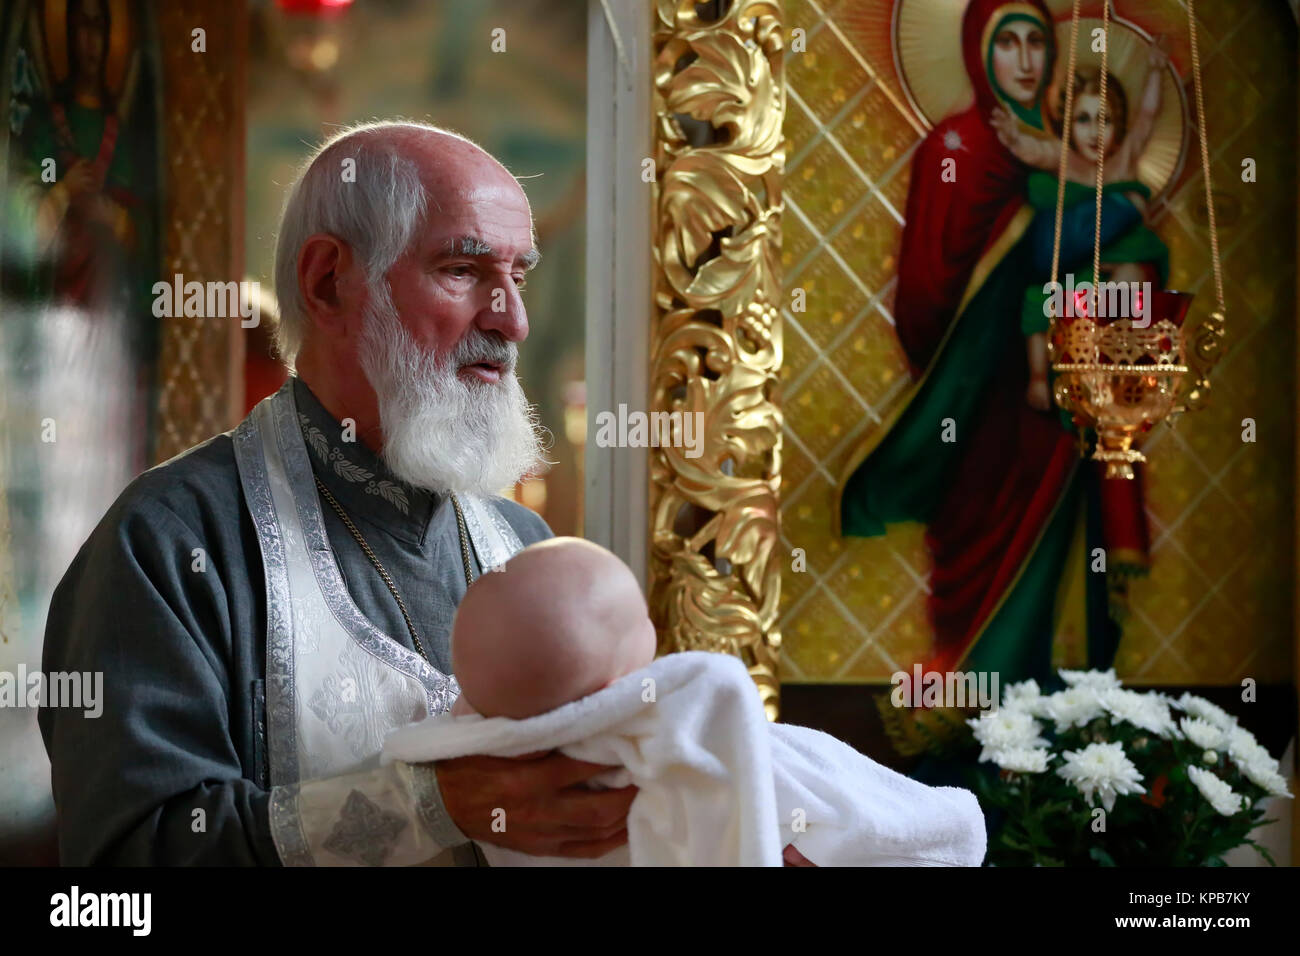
(267, 606)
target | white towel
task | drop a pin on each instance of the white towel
(692, 735)
(854, 812)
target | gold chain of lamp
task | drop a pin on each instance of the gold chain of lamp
(1115, 377)
(1065, 144)
(1102, 117)
(1208, 345)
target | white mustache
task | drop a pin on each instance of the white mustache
(481, 348)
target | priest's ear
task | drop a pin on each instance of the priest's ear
(332, 282)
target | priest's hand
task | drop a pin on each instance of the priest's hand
(792, 857)
(547, 811)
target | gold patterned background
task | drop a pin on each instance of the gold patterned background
(1218, 603)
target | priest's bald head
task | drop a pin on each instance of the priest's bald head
(399, 265)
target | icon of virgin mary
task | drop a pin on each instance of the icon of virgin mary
(1008, 505)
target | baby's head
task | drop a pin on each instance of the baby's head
(563, 619)
(1084, 129)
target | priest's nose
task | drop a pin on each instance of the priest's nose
(505, 312)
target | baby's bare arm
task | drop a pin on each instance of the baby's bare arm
(1039, 153)
(1030, 150)
(1149, 110)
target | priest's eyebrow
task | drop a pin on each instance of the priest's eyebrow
(475, 246)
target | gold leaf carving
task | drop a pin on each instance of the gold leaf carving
(716, 349)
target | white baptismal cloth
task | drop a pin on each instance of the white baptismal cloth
(718, 784)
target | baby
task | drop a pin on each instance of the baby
(565, 618)
(1136, 256)
(563, 621)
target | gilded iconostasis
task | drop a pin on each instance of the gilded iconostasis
(984, 556)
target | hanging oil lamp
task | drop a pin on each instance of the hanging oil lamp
(1118, 378)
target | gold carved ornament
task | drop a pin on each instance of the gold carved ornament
(719, 104)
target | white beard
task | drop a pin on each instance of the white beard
(443, 434)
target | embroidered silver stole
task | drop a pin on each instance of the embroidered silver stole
(335, 684)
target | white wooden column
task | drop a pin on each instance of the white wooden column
(618, 302)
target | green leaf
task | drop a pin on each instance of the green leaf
(1263, 851)
(1101, 856)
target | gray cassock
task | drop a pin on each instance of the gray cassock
(254, 659)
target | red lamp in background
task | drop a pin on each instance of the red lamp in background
(313, 8)
(313, 46)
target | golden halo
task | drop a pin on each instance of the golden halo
(927, 53)
(1161, 159)
(932, 71)
(121, 41)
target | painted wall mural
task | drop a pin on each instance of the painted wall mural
(978, 553)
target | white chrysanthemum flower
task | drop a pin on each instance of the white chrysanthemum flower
(1244, 748)
(1219, 794)
(1262, 771)
(1165, 701)
(1097, 680)
(1024, 695)
(1148, 711)
(1073, 707)
(1007, 728)
(1212, 713)
(1203, 734)
(1021, 759)
(1101, 770)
